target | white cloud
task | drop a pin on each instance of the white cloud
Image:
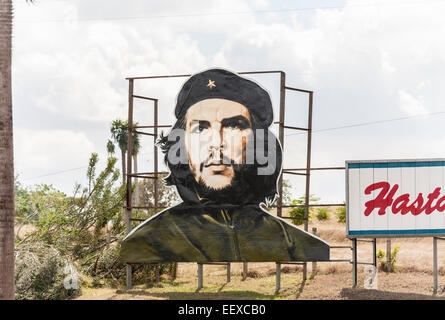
(410, 104)
(48, 150)
(365, 63)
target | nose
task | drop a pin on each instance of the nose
(217, 137)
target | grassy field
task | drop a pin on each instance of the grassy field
(413, 278)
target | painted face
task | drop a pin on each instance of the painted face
(217, 131)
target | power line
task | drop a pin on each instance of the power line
(72, 169)
(188, 15)
(372, 122)
(320, 130)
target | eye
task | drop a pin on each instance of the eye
(199, 126)
(239, 123)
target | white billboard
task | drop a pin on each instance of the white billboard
(395, 198)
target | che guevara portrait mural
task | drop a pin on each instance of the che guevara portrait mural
(224, 162)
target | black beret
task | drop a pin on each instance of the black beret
(223, 84)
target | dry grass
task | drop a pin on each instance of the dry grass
(412, 280)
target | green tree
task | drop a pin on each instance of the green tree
(119, 134)
(75, 224)
(322, 214)
(110, 148)
(299, 212)
(167, 195)
(341, 214)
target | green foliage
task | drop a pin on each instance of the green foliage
(24, 210)
(322, 214)
(40, 272)
(299, 212)
(86, 228)
(341, 214)
(107, 268)
(119, 133)
(75, 224)
(287, 194)
(381, 258)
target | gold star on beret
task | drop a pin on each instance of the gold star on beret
(211, 84)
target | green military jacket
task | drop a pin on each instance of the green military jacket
(220, 233)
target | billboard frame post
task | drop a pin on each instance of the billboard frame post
(374, 253)
(435, 265)
(314, 264)
(127, 178)
(281, 137)
(228, 272)
(245, 270)
(200, 276)
(277, 277)
(388, 255)
(354, 263)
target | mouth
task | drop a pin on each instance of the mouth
(216, 164)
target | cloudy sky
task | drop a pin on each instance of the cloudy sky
(376, 68)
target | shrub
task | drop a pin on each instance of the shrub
(341, 214)
(299, 212)
(40, 273)
(381, 257)
(106, 268)
(322, 214)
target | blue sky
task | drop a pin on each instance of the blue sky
(367, 62)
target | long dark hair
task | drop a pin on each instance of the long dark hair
(255, 188)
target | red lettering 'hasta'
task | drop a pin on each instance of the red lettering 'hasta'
(383, 200)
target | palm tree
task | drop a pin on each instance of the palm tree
(119, 135)
(134, 152)
(6, 156)
(110, 148)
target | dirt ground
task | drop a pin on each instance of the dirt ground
(413, 278)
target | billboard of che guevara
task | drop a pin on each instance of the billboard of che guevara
(224, 162)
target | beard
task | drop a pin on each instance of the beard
(234, 193)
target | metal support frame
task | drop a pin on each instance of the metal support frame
(355, 261)
(435, 277)
(245, 270)
(201, 272)
(155, 174)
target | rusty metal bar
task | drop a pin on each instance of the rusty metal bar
(139, 176)
(146, 207)
(354, 263)
(435, 281)
(299, 90)
(145, 98)
(308, 161)
(128, 177)
(151, 127)
(146, 133)
(281, 138)
(160, 77)
(314, 205)
(188, 75)
(295, 173)
(296, 128)
(156, 196)
(147, 173)
(260, 72)
(322, 168)
(292, 218)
